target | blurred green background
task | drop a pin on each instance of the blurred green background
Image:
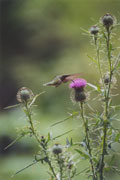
(39, 40)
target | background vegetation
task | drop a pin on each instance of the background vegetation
(41, 39)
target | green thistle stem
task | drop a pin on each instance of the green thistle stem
(60, 163)
(28, 110)
(98, 57)
(31, 123)
(88, 140)
(106, 111)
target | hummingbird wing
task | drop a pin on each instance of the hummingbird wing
(69, 77)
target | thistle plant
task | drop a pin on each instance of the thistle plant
(98, 127)
(107, 79)
(57, 157)
(99, 131)
(80, 96)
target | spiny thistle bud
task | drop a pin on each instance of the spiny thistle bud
(24, 94)
(78, 85)
(80, 96)
(94, 30)
(57, 149)
(108, 20)
(106, 79)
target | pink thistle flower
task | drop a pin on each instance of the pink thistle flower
(78, 86)
(78, 83)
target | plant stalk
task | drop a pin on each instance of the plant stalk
(106, 108)
(98, 58)
(60, 166)
(88, 140)
(38, 140)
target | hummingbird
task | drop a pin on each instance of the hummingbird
(58, 80)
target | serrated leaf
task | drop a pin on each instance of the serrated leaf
(34, 162)
(83, 153)
(92, 59)
(49, 138)
(84, 30)
(96, 88)
(13, 142)
(8, 107)
(35, 97)
(71, 116)
(63, 134)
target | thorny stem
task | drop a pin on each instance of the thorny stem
(31, 123)
(98, 57)
(88, 140)
(107, 103)
(69, 177)
(60, 166)
(38, 140)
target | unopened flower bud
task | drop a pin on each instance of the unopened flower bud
(106, 79)
(57, 149)
(94, 30)
(24, 94)
(80, 96)
(108, 20)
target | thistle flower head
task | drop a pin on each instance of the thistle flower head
(57, 149)
(94, 30)
(78, 83)
(24, 94)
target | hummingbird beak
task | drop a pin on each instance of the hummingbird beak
(73, 81)
(44, 84)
